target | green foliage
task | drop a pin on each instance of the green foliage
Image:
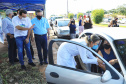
(79, 14)
(121, 10)
(97, 15)
(114, 15)
(70, 15)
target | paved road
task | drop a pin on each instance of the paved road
(118, 23)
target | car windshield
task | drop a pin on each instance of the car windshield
(121, 49)
(62, 23)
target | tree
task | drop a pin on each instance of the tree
(80, 14)
(70, 15)
(97, 15)
(122, 10)
(114, 15)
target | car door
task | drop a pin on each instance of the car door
(57, 74)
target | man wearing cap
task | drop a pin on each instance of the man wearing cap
(8, 29)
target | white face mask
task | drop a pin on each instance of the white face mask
(87, 19)
(23, 19)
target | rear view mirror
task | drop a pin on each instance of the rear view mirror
(106, 76)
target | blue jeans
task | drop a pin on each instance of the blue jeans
(19, 41)
(41, 42)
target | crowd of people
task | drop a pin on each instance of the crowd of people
(20, 31)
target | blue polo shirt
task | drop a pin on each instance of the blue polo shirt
(41, 26)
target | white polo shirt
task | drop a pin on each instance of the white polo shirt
(18, 22)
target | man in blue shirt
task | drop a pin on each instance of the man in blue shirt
(8, 29)
(41, 29)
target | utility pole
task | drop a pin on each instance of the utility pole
(67, 8)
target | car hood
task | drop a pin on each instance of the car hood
(64, 28)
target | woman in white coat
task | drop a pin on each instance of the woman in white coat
(67, 51)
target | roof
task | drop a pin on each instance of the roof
(29, 5)
(113, 32)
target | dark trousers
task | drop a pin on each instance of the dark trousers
(12, 53)
(41, 42)
(32, 52)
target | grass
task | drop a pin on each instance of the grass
(14, 74)
(106, 25)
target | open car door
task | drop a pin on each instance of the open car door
(57, 74)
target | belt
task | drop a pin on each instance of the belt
(40, 35)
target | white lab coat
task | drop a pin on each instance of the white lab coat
(67, 51)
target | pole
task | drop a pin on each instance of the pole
(67, 8)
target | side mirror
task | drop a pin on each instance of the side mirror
(106, 76)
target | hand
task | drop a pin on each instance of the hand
(102, 66)
(32, 39)
(32, 27)
(112, 62)
(11, 36)
(99, 61)
(27, 40)
(48, 37)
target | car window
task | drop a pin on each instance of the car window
(62, 23)
(121, 49)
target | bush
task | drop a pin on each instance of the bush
(80, 14)
(70, 15)
(97, 15)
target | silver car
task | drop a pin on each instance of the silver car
(57, 74)
(61, 28)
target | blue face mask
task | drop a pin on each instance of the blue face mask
(95, 47)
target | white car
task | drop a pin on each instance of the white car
(123, 21)
(57, 74)
(61, 28)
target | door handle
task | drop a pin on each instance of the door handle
(54, 75)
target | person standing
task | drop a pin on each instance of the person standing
(72, 27)
(88, 23)
(41, 29)
(8, 29)
(81, 28)
(22, 28)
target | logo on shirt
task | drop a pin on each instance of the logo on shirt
(22, 25)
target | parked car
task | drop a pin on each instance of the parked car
(53, 18)
(106, 19)
(123, 21)
(61, 28)
(57, 74)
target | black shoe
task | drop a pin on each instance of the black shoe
(23, 67)
(45, 62)
(33, 57)
(41, 64)
(16, 60)
(32, 64)
(12, 63)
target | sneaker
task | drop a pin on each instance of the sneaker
(23, 67)
(32, 64)
(16, 60)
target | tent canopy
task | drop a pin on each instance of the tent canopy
(29, 5)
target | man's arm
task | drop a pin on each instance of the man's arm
(22, 28)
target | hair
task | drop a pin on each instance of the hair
(18, 10)
(15, 14)
(89, 19)
(38, 11)
(8, 11)
(93, 38)
(22, 11)
(73, 21)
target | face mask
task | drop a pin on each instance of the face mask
(39, 17)
(106, 46)
(95, 47)
(23, 19)
(87, 19)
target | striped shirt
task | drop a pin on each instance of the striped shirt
(7, 25)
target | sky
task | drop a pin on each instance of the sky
(59, 7)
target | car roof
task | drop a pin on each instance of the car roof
(112, 32)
